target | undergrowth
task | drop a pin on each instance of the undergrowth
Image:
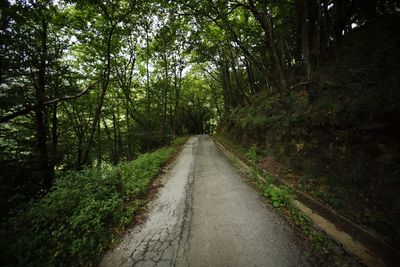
(281, 197)
(75, 222)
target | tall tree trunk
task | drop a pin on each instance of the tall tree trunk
(305, 37)
(317, 47)
(46, 171)
(115, 139)
(250, 75)
(54, 137)
(54, 132)
(99, 150)
(106, 79)
(263, 18)
(128, 130)
(79, 153)
(177, 84)
(147, 126)
(225, 83)
(120, 146)
(164, 98)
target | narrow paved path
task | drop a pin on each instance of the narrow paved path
(206, 214)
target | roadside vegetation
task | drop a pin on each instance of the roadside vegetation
(85, 210)
(86, 86)
(280, 196)
(337, 140)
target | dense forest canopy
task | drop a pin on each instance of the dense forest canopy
(86, 83)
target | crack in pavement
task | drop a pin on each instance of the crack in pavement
(208, 215)
(159, 241)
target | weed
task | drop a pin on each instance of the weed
(281, 197)
(254, 169)
(316, 237)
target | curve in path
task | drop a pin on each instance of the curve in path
(206, 214)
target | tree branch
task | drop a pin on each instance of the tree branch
(26, 110)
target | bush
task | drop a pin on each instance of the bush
(75, 222)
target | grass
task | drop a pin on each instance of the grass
(76, 222)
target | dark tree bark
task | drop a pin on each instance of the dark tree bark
(47, 171)
(303, 13)
(317, 46)
(99, 146)
(164, 96)
(262, 15)
(250, 76)
(106, 79)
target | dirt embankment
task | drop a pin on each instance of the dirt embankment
(338, 139)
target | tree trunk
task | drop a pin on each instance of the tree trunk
(318, 36)
(148, 125)
(99, 150)
(106, 79)
(54, 137)
(164, 98)
(177, 84)
(225, 86)
(45, 167)
(250, 75)
(128, 130)
(264, 20)
(302, 11)
(115, 139)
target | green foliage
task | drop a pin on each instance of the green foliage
(317, 238)
(280, 196)
(76, 221)
(254, 169)
(339, 129)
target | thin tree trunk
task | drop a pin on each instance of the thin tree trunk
(54, 132)
(99, 150)
(305, 37)
(106, 79)
(115, 139)
(178, 83)
(147, 126)
(128, 130)
(318, 36)
(54, 137)
(164, 98)
(250, 75)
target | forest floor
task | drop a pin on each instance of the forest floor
(207, 214)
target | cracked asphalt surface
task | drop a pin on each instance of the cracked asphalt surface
(206, 214)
